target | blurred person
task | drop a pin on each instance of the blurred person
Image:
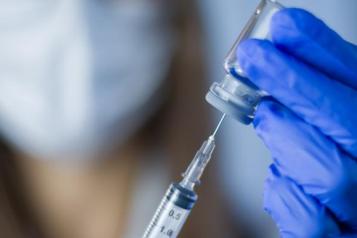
(101, 106)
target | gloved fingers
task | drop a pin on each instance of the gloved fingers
(295, 213)
(327, 104)
(309, 39)
(312, 160)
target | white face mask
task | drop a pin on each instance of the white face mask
(76, 74)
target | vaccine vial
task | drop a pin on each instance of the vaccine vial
(235, 95)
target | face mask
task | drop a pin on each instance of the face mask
(75, 76)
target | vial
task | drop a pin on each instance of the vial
(235, 95)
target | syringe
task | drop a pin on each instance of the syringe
(180, 198)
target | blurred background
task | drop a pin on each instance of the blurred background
(102, 106)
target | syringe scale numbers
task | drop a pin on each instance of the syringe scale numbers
(170, 222)
(171, 213)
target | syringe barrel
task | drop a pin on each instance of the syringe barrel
(172, 213)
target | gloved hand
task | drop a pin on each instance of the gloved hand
(309, 124)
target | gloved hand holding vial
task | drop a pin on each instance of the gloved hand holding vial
(296, 81)
(309, 124)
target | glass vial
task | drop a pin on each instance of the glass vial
(236, 95)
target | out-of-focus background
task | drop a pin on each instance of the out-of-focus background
(102, 106)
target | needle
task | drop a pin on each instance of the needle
(218, 125)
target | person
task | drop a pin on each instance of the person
(100, 109)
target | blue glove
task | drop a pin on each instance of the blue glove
(309, 124)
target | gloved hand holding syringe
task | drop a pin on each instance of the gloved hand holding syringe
(234, 96)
